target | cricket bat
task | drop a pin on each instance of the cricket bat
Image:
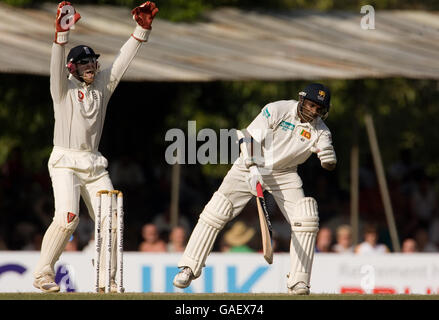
(264, 220)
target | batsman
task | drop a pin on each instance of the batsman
(80, 93)
(284, 135)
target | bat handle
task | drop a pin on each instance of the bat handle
(259, 191)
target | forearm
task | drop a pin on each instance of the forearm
(124, 58)
(126, 55)
(58, 72)
(250, 149)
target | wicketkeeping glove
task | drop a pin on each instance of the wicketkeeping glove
(66, 17)
(143, 15)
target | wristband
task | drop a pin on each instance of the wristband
(141, 34)
(62, 37)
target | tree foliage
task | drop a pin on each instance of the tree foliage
(26, 117)
(403, 111)
(190, 10)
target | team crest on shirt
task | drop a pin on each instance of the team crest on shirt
(305, 134)
(70, 217)
(80, 95)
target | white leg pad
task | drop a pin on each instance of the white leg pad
(304, 226)
(54, 242)
(214, 217)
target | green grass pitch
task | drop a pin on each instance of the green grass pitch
(209, 296)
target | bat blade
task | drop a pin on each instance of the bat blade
(266, 229)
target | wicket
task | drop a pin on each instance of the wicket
(116, 197)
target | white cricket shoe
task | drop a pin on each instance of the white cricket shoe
(46, 283)
(183, 278)
(300, 288)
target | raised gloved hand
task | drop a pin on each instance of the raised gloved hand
(144, 14)
(253, 178)
(66, 17)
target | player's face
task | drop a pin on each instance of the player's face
(87, 69)
(311, 110)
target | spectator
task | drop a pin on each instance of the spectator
(324, 240)
(223, 245)
(423, 241)
(151, 241)
(163, 221)
(370, 243)
(409, 246)
(237, 238)
(344, 240)
(177, 239)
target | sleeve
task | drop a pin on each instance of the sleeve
(58, 73)
(122, 61)
(263, 122)
(325, 141)
(325, 149)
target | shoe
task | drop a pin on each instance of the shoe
(300, 288)
(183, 278)
(46, 283)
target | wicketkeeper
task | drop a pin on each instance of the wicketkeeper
(80, 93)
(282, 136)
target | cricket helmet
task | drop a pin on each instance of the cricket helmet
(319, 94)
(77, 53)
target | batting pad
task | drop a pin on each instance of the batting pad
(214, 217)
(304, 226)
(54, 241)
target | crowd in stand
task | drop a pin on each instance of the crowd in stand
(26, 210)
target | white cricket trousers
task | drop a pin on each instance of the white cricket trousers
(228, 202)
(73, 174)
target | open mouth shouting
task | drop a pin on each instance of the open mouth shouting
(88, 75)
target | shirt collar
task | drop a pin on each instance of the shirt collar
(77, 82)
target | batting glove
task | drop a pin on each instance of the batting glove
(326, 155)
(253, 178)
(66, 17)
(143, 15)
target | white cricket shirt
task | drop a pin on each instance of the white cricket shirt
(285, 141)
(80, 109)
